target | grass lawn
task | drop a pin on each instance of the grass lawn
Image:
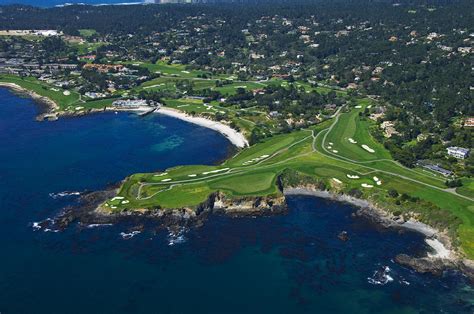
(467, 188)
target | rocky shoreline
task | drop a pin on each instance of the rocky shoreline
(47, 105)
(446, 257)
(90, 213)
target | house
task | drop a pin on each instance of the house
(130, 103)
(458, 152)
(438, 169)
(104, 68)
(389, 128)
(274, 114)
(469, 122)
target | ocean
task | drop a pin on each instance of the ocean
(289, 263)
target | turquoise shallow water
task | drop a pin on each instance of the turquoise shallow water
(291, 263)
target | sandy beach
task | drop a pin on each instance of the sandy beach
(236, 138)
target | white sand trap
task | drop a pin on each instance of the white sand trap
(181, 106)
(331, 143)
(358, 107)
(187, 72)
(335, 151)
(368, 186)
(377, 181)
(265, 156)
(79, 108)
(117, 198)
(352, 141)
(369, 106)
(166, 180)
(125, 202)
(66, 93)
(352, 176)
(161, 174)
(337, 180)
(367, 148)
(192, 175)
(441, 250)
(215, 171)
(113, 207)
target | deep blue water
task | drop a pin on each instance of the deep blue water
(52, 3)
(291, 263)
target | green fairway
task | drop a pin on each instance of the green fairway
(348, 137)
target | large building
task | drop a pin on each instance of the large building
(458, 152)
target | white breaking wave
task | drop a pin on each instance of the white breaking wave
(176, 237)
(64, 194)
(381, 276)
(129, 235)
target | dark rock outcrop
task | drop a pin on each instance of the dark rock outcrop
(435, 266)
(343, 236)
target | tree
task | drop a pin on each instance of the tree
(393, 193)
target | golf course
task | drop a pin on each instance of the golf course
(339, 153)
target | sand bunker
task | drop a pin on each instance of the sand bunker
(377, 181)
(255, 159)
(337, 180)
(215, 171)
(367, 148)
(352, 176)
(365, 185)
(352, 141)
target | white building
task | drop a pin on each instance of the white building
(458, 152)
